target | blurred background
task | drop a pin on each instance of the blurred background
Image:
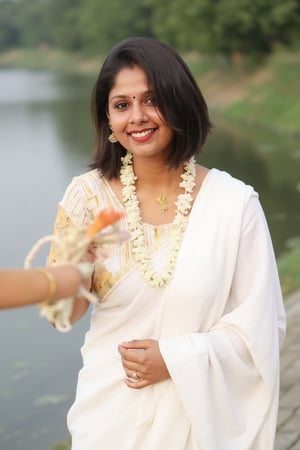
(245, 55)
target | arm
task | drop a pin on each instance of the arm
(21, 287)
(80, 306)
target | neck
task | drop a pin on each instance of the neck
(157, 175)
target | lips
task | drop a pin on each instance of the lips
(142, 134)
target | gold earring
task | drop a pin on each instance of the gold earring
(112, 137)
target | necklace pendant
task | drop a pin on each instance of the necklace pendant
(162, 200)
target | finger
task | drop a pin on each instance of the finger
(131, 367)
(129, 354)
(134, 376)
(137, 344)
(136, 384)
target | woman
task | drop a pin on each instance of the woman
(19, 287)
(183, 347)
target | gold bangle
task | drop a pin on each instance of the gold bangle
(52, 284)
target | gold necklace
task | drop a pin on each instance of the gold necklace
(135, 224)
(162, 200)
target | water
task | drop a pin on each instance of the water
(46, 139)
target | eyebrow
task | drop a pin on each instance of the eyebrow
(130, 96)
(119, 96)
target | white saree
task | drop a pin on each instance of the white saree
(220, 323)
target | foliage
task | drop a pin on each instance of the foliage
(9, 28)
(226, 26)
(75, 25)
(103, 23)
(63, 446)
(221, 26)
(62, 21)
(32, 23)
(288, 266)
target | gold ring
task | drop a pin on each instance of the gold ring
(135, 376)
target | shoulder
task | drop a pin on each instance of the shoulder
(226, 185)
(79, 192)
(87, 178)
(83, 185)
(87, 194)
(225, 197)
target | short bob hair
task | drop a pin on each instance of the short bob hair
(176, 94)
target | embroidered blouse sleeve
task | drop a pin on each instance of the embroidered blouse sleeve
(71, 210)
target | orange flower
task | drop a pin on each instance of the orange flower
(105, 217)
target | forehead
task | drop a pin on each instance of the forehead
(130, 80)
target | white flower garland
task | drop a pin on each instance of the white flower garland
(134, 220)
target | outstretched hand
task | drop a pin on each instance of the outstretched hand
(143, 363)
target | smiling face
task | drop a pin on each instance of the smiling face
(134, 117)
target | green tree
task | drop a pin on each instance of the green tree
(9, 28)
(63, 23)
(32, 22)
(105, 22)
(218, 26)
(248, 26)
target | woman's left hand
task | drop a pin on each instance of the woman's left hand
(143, 363)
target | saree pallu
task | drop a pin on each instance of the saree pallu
(219, 323)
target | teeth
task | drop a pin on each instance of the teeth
(142, 133)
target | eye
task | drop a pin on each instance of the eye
(150, 101)
(121, 105)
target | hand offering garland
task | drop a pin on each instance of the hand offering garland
(73, 245)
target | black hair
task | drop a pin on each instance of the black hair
(176, 94)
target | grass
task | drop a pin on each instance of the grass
(63, 446)
(289, 269)
(266, 94)
(49, 59)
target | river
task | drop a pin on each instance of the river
(46, 139)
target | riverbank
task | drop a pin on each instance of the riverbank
(263, 95)
(54, 60)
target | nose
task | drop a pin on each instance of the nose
(138, 113)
